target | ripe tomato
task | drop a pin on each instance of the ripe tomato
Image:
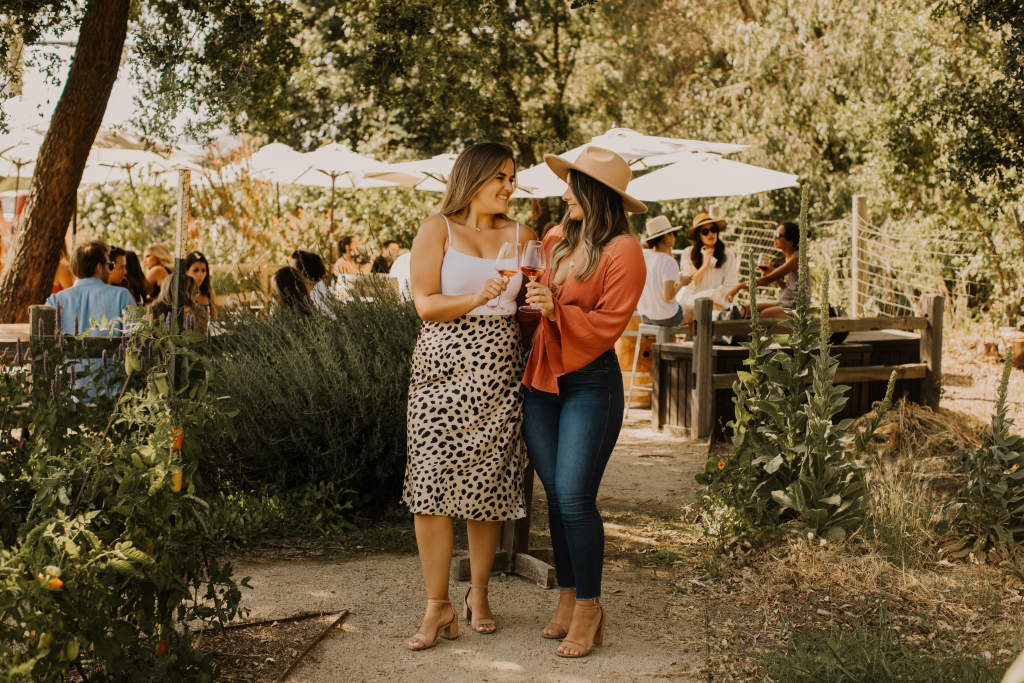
(55, 584)
(177, 436)
(162, 647)
(176, 481)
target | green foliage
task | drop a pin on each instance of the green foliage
(112, 556)
(319, 399)
(988, 515)
(790, 463)
(231, 70)
(871, 653)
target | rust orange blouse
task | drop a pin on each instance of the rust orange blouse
(589, 315)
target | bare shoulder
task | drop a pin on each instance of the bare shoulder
(526, 233)
(432, 230)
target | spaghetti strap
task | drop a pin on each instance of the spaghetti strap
(449, 225)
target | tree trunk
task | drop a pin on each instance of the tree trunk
(28, 278)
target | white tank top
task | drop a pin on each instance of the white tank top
(465, 274)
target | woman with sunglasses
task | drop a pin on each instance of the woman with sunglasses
(707, 266)
(574, 402)
(786, 276)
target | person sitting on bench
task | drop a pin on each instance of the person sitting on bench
(786, 276)
(657, 304)
(708, 267)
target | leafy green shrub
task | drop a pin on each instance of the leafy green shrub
(318, 398)
(790, 462)
(110, 557)
(988, 514)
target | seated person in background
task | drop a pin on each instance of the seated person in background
(382, 264)
(118, 267)
(709, 268)
(157, 261)
(290, 290)
(193, 316)
(64, 277)
(91, 298)
(134, 279)
(786, 276)
(198, 268)
(350, 249)
(312, 268)
(400, 271)
(657, 305)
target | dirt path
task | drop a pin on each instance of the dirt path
(649, 478)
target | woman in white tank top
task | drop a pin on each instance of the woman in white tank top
(465, 446)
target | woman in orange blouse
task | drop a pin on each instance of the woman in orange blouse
(574, 402)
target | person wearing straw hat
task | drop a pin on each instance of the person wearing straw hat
(574, 399)
(657, 305)
(708, 267)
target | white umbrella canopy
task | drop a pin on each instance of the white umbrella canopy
(639, 150)
(335, 165)
(429, 175)
(696, 174)
(279, 163)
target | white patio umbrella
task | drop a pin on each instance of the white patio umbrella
(279, 163)
(429, 175)
(639, 150)
(18, 152)
(335, 165)
(697, 174)
(118, 165)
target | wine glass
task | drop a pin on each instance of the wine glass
(532, 264)
(764, 263)
(507, 265)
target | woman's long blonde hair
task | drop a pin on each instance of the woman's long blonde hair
(473, 169)
(604, 219)
(163, 255)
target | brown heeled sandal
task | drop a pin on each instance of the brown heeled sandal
(575, 641)
(477, 624)
(556, 630)
(449, 630)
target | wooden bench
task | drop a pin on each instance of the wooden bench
(692, 381)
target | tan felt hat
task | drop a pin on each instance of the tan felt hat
(604, 166)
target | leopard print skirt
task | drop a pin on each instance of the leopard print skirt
(466, 451)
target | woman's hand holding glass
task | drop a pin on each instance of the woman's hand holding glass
(540, 299)
(507, 265)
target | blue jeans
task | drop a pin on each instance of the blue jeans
(570, 436)
(673, 321)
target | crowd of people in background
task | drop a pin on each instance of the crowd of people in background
(306, 283)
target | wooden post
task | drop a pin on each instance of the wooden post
(702, 400)
(42, 326)
(713, 210)
(512, 556)
(931, 350)
(184, 211)
(860, 208)
(656, 411)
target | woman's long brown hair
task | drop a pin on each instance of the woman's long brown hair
(473, 169)
(604, 219)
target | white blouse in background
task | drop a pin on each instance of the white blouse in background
(716, 283)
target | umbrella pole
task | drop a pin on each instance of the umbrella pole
(334, 177)
(277, 198)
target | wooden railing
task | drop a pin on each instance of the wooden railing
(928, 370)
